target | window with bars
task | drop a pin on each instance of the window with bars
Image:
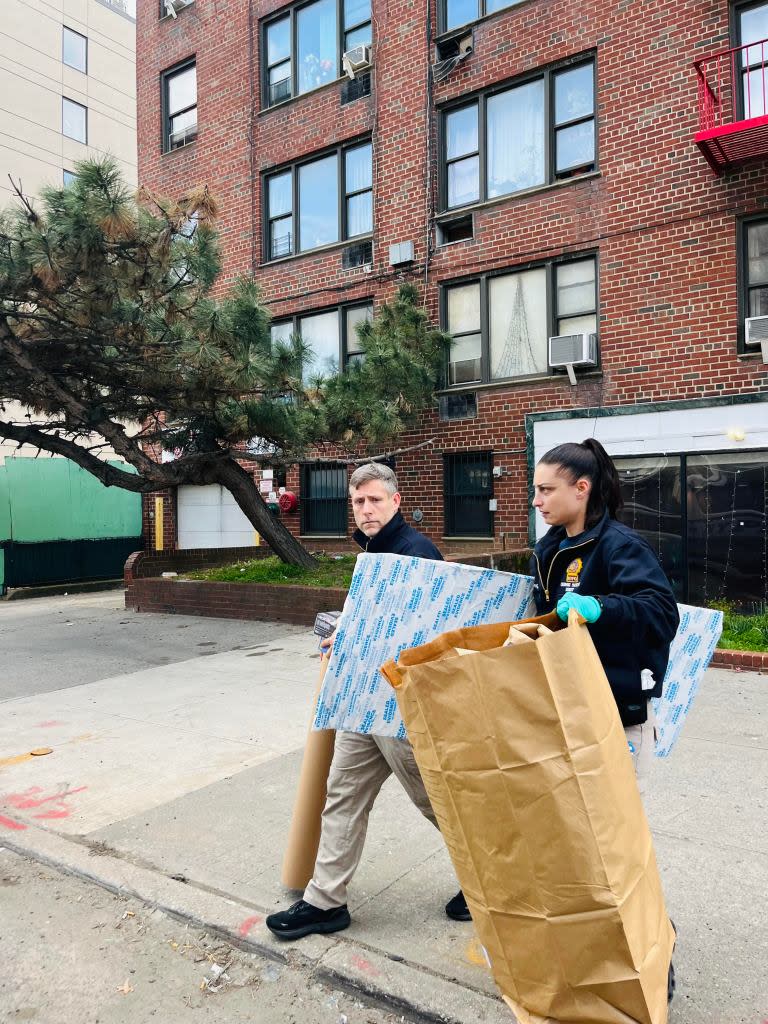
(324, 499)
(302, 49)
(319, 202)
(468, 489)
(179, 96)
(500, 323)
(332, 335)
(517, 137)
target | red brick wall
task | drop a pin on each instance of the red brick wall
(664, 227)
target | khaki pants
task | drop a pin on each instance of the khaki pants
(643, 740)
(361, 765)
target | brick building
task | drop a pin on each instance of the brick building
(540, 169)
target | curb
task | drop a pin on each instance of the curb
(752, 661)
(55, 589)
(391, 984)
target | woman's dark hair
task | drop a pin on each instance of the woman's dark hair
(591, 461)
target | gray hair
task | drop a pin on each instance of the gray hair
(374, 471)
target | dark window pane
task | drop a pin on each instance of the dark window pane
(651, 492)
(757, 253)
(574, 94)
(459, 12)
(758, 302)
(468, 490)
(515, 139)
(324, 500)
(318, 203)
(317, 43)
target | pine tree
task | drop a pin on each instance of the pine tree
(110, 329)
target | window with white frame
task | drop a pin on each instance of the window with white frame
(179, 105)
(318, 202)
(520, 136)
(500, 323)
(74, 120)
(331, 334)
(74, 50)
(302, 48)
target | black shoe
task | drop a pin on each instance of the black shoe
(671, 983)
(457, 908)
(304, 919)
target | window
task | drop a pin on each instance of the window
(529, 134)
(752, 32)
(179, 106)
(331, 334)
(706, 517)
(300, 210)
(468, 493)
(69, 177)
(753, 274)
(181, 271)
(324, 499)
(500, 323)
(302, 49)
(74, 120)
(74, 50)
(461, 12)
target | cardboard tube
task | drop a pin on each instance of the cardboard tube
(304, 833)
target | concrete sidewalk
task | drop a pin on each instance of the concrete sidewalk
(182, 777)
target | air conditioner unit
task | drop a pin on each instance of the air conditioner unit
(755, 330)
(356, 59)
(173, 7)
(571, 350)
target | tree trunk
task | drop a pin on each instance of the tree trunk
(241, 486)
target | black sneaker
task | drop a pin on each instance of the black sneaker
(457, 908)
(304, 919)
(671, 983)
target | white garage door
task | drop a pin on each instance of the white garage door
(209, 517)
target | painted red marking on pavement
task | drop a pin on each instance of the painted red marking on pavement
(10, 823)
(53, 814)
(24, 801)
(364, 965)
(247, 924)
(49, 725)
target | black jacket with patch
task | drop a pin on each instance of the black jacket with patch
(640, 616)
(398, 538)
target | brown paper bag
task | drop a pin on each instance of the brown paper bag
(528, 770)
(304, 833)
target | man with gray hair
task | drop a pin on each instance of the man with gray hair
(361, 763)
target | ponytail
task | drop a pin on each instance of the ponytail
(589, 460)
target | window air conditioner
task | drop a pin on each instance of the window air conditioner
(173, 7)
(755, 330)
(571, 350)
(356, 59)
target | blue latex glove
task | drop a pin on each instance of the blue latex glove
(588, 607)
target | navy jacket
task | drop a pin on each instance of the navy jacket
(398, 538)
(639, 618)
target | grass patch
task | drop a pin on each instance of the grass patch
(329, 572)
(744, 632)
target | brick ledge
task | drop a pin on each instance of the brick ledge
(754, 661)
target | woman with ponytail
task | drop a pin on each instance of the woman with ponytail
(608, 573)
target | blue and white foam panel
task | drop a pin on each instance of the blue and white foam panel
(396, 602)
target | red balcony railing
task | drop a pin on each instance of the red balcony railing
(733, 106)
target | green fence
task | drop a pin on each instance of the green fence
(58, 523)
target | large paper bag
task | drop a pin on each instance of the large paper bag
(528, 770)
